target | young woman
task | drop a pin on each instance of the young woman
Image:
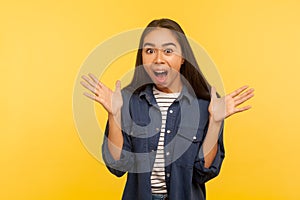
(166, 127)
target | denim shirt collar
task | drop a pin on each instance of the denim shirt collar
(148, 93)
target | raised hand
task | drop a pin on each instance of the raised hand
(221, 108)
(111, 100)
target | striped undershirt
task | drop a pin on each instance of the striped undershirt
(158, 183)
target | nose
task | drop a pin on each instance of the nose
(159, 58)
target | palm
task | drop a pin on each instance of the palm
(111, 100)
(221, 108)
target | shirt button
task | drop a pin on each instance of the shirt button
(168, 174)
(194, 138)
(168, 153)
(168, 131)
(171, 111)
(157, 129)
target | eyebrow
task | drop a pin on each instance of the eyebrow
(164, 45)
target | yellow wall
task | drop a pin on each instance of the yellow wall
(44, 43)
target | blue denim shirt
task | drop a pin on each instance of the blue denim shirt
(187, 123)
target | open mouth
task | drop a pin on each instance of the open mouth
(160, 73)
(160, 76)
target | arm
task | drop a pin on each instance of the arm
(112, 102)
(115, 137)
(219, 109)
(210, 144)
(211, 155)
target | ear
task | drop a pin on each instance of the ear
(182, 61)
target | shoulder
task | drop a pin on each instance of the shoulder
(203, 108)
(203, 104)
(129, 94)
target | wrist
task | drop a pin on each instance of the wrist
(116, 115)
(115, 119)
(213, 121)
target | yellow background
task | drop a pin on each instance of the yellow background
(43, 44)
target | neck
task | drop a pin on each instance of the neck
(173, 89)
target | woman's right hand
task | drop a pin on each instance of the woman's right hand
(111, 100)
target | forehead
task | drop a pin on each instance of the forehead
(159, 36)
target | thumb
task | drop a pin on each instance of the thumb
(213, 92)
(118, 86)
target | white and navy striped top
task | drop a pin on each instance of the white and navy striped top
(158, 183)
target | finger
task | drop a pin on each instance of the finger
(246, 93)
(95, 79)
(118, 86)
(242, 100)
(213, 93)
(93, 97)
(99, 100)
(90, 88)
(88, 80)
(238, 91)
(243, 109)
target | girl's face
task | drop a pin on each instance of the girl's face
(162, 59)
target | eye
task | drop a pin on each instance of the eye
(149, 50)
(168, 51)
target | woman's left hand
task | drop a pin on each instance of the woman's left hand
(221, 108)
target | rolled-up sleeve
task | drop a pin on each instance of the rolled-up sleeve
(124, 164)
(201, 173)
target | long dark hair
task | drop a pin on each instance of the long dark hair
(189, 69)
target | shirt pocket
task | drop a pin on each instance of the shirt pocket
(187, 146)
(139, 137)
